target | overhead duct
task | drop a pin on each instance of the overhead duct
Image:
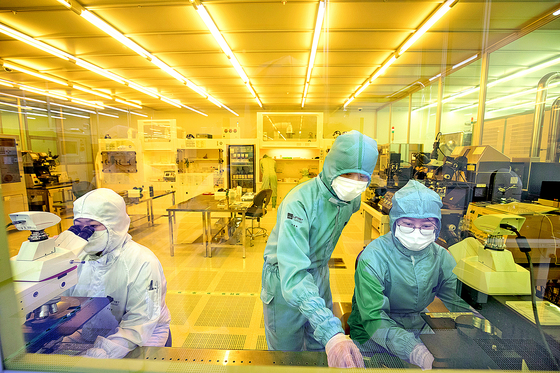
(552, 152)
(538, 119)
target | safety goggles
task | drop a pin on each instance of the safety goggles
(425, 229)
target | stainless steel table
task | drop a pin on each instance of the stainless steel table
(149, 200)
(207, 204)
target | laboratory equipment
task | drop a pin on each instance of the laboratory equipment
(241, 167)
(41, 269)
(37, 168)
(490, 268)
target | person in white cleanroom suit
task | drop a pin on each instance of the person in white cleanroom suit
(296, 294)
(116, 266)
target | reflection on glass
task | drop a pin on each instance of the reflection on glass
(289, 127)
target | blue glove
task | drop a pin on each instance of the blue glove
(422, 357)
(343, 353)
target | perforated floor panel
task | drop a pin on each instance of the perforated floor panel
(189, 280)
(240, 282)
(215, 341)
(227, 311)
(181, 306)
(342, 283)
(261, 343)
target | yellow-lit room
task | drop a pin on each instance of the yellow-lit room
(290, 185)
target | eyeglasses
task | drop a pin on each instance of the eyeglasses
(425, 229)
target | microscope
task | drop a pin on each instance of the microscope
(489, 268)
(45, 266)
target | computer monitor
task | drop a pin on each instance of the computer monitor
(550, 190)
(522, 170)
(539, 172)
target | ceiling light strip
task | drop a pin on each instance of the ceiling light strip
(434, 77)
(501, 80)
(465, 61)
(52, 78)
(434, 17)
(312, 55)
(207, 19)
(86, 65)
(34, 42)
(123, 39)
(440, 12)
(377, 73)
(36, 74)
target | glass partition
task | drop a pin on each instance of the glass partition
(192, 187)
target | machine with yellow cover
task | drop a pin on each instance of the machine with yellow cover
(490, 268)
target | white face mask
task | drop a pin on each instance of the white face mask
(414, 241)
(348, 189)
(97, 242)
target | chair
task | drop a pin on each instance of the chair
(256, 212)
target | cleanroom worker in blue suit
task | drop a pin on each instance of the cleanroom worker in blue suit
(399, 274)
(296, 291)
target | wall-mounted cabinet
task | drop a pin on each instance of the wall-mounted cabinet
(281, 129)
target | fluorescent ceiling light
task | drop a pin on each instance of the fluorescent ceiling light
(99, 70)
(117, 35)
(92, 92)
(214, 101)
(140, 114)
(86, 65)
(525, 72)
(556, 13)
(128, 103)
(41, 92)
(65, 3)
(22, 97)
(34, 42)
(465, 61)
(434, 77)
(349, 101)
(147, 91)
(96, 105)
(426, 25)
(74, 115)
(231, 111)
(171, 102)
(37, 74)
(383, 68)
(362, 88)
(192, 109)
(201, 10)
(209, 22)
(104, 26)
(6, 83)
(316, 35)
(502, 98)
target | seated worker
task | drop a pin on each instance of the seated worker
(116, 266)
(399, 274)
(296, 292)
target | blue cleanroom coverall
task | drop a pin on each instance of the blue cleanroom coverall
(296, 291)
(394, 284)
